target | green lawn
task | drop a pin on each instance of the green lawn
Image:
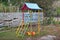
(8, 35)
(11, 34)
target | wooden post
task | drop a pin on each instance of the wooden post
(38, 21)
(31, 19)
(22, 17)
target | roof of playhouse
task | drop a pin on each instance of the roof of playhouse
(28, 6)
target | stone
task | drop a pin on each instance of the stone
(48, 37)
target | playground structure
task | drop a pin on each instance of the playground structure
(24, 28)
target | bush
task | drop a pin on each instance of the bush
(56, 22)
(47, 20)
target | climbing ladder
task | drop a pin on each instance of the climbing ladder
(21, 30)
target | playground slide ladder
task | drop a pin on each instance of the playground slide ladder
(21, 30)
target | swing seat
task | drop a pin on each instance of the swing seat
(31, 33)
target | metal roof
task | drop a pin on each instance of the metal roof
(31, 6)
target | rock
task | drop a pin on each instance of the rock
(51, 36)
(28, 39)
(48, 37)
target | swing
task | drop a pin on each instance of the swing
(23, 30)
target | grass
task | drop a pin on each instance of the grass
(8, 35)
(11, 34)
